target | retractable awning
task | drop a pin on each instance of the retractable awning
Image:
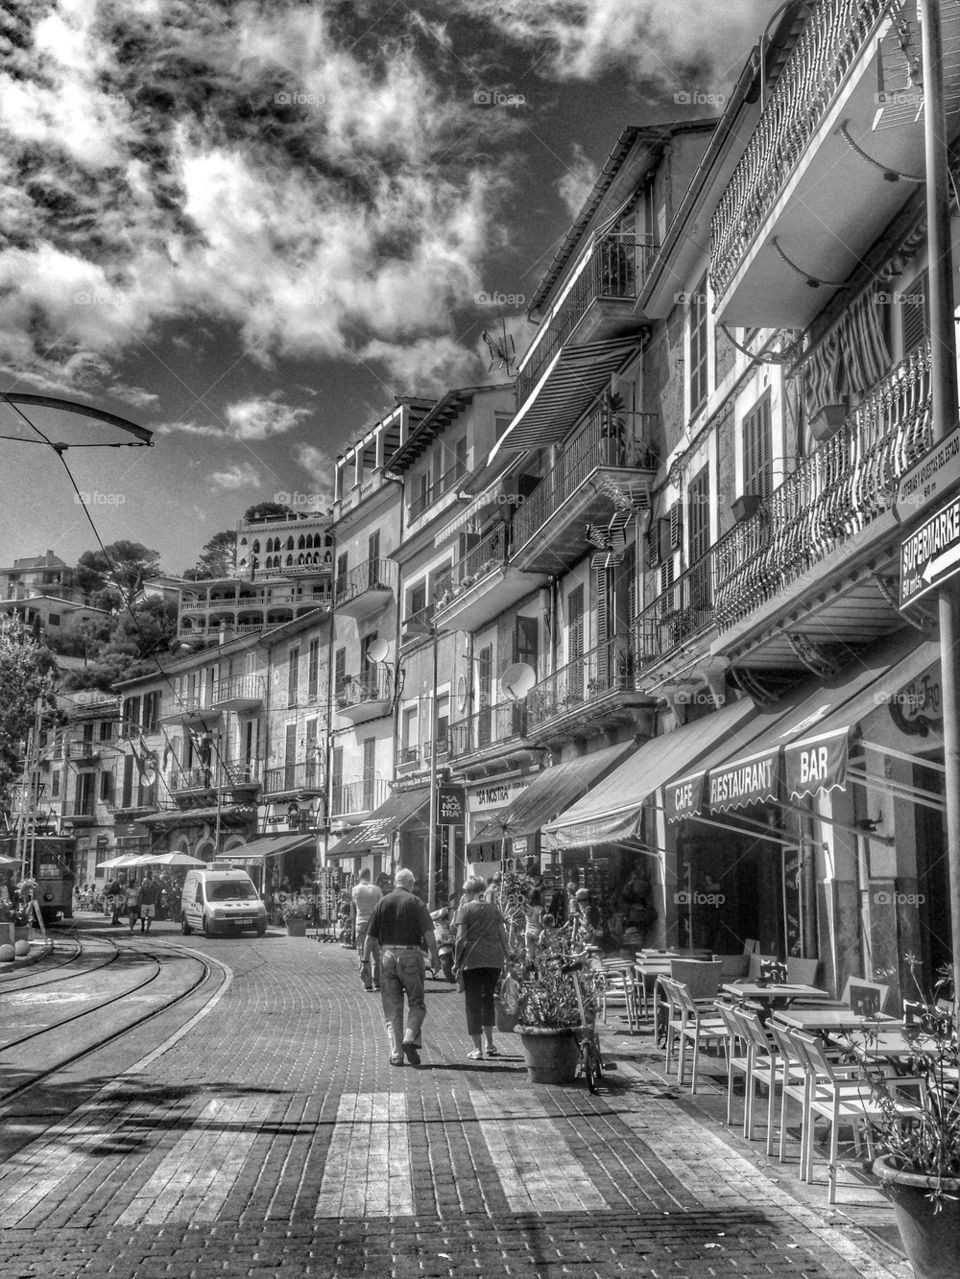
(272, 846)
(800, 750)
(610, 812)
(550, 793)
(190, 816)
(402, 810)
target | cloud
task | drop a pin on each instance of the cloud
(319, 465)
(240, 475)
(254, 419)
(578, 181)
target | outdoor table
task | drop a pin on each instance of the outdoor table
(773, 992)
(821, 1021)
(884, 1043)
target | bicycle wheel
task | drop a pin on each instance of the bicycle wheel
(590, 1066)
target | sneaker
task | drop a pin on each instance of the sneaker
(411, 1054)
(368, 988)
(396, 1061)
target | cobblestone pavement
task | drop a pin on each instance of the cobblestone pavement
(275, 1138)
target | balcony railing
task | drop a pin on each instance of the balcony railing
(678, 613)
(587, 678)
(616, 268)
(423, 617)
(835, 492)
(247, 688)
(490, 552)
(186, 704)
(374, 685)
(372, 576)
(307, 775)
(227, 776)
(488, 727)
(437, 488)
(260, 600)
(831, 38)
(603, 442)
(407, 756)
(358, 797)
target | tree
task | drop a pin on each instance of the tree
(140, 636)
(27, 671)
(218, 558)
(263, 510)
(120, 567)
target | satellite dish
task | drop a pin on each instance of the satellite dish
(517, 681)
(378, 651)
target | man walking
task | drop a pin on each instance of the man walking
(402, 925)
(148, 901)
(365, 897)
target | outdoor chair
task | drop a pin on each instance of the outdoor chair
(794, 1081)
(739, 1058)
(701, 1027)
(617, 990)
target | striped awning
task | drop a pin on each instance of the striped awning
(402, 810)
(572, 381)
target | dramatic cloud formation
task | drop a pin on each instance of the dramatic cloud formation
(240, 475)
(253, 419)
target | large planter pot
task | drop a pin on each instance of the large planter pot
(296, 927)
(930, 1240)
(551, 1054)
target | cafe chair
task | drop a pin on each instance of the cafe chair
(617, 990)
(668, 1012)
(792, 1076)
(840, 1095)
(739, 1057)
(802, 972)
(702, 977)
(767, 1070)
(699, 1027)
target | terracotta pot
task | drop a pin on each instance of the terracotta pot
(551, 1054)
(296, 928)
(930, 1240)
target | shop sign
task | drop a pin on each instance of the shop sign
(103, 841)
(931, 555)
(747, 781)
(931, 478)
(451, 805)
(495, 796)
(521, 845)
(816, 764)
(684, 797)
(918, 706)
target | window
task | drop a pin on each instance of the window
(88, 732)
(697, 312)
(575, 642)
(373, 547)
(126, 794)
(106, 788)
(409, 737)
(339, 668)
(417, 599)
(460, 456)
(83, 806)
(55, 783)
(54, 619)
(313, 752)
(336, 780)
(106, 730)
(500, 423)
(914, 324)
(525, 641)
(342, 568)
(369, 772)
(131, 713)
(293, 676)
(151, 712)
(484, 690)
(290, 757)
(757, 459)
(313, 669)
(698, 503)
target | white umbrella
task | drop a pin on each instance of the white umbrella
(9, 861)
(118, 863)
(171, 859)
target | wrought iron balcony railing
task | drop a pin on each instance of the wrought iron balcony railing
(375, 685)
(358, 797)
(372, 576)
(488, 727)
(616, 268)
(248, 688)
(840, 489)
(583, 680)
(307, 775)
(488, 553)
(224, 777)
(676, 614)
(605, 441)
(834, 33)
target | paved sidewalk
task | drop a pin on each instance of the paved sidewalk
(275, 1138)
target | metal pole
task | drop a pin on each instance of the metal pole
(943, 375)
(432, 846)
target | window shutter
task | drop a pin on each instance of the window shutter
(913, 313)
(666, 576)
(676, 526)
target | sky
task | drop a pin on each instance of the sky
(248, 227)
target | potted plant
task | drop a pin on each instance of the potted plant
(920, 1169)
(296, 915)
(548, 1016)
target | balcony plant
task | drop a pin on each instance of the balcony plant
(920, 1170)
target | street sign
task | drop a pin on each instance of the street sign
(931, 554)
(930, 479)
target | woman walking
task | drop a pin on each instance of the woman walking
(479, 956)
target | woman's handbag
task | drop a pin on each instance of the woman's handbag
(505, 1005)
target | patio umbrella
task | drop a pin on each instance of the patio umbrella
(8, 861)
(171, 859)
(118, 863)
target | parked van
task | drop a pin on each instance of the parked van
(221, 901)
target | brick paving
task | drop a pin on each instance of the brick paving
(275, 1138)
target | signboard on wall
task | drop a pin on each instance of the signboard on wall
(451, 805)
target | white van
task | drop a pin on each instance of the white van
(221, 901)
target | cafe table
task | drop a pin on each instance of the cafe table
(826, 1021)
(773, 992)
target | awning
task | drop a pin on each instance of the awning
(784, 749)
(271, 846)
(403, 809)
(611, 811)
(188, 816)
(550, 792)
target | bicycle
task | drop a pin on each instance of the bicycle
(587, 1036)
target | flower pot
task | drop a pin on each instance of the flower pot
(296, 928)
(551, 1054)
(931, 1239)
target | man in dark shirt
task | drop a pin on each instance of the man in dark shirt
(402, 925)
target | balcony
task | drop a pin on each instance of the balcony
(79, 814)
(305, 778)
(481, 584)
(227, 777)
(822, 549)
(817, 182)
(240, 693)
(84, 754)
(437, 489)
(606, 469)
(366, 590)
(245, 610)
(417, 627)
(676, 618)
(188, 709)
(494, 740)
(555, 384)
(360, 698)
(591, 693)
(408, 757)
(355, 801)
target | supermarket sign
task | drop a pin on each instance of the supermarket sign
(930, 556)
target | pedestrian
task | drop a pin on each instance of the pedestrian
(549, 938)
(479, 957)
(149, 891)
(402, 925)
(132, 903)
(365, 897)
(114, 896)
(533, 910)
(586, 920)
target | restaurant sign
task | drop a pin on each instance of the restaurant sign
(451, 805)
(684, 797)
(816, 764)
(753, 780)
(918, 706)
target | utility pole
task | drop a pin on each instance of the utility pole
(943, 375)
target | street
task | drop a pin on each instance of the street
(257, 1129)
